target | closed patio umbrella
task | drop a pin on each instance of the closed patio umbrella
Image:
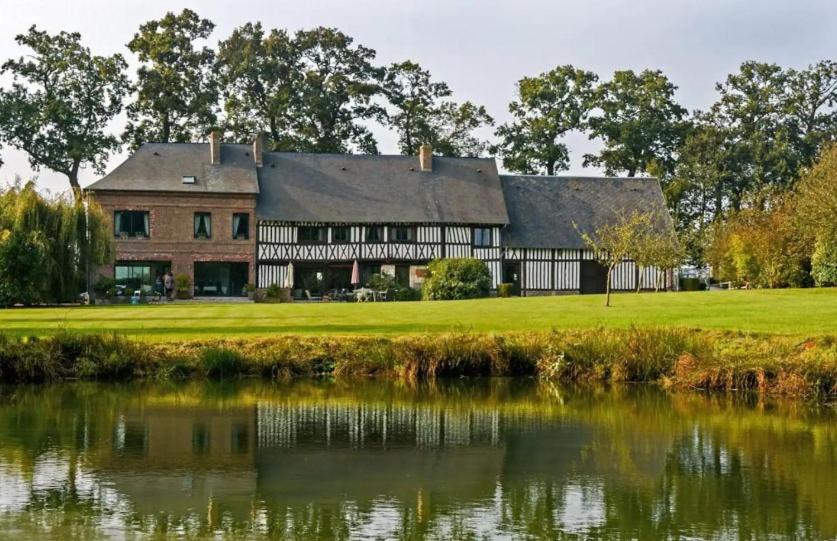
(355, 273)
(289, 278)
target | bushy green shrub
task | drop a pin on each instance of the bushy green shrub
(407, 294)
(382, 282)
(505, 290)
(824, 261)
(458, 278)
(105, 286)
(183, 286)
(273, 291)
(220, 363)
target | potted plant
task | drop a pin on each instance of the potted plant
(250, 289)
(183, 286)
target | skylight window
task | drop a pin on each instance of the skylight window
(188, 179)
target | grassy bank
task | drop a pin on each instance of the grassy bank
(800, 312)
(710, 360)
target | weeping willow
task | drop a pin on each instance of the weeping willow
(47, 245)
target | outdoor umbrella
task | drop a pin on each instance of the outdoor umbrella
(355, 273)
(289, 278)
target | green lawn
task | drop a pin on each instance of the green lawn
(793, 312)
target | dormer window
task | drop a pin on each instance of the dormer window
(188, 179)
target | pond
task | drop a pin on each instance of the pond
(468, 459)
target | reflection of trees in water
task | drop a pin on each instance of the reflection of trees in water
(320, 460)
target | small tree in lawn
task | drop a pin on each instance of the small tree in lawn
(657, 246)
(614, 242)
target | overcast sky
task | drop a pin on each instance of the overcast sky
(480, 48)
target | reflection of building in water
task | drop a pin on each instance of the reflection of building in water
(183, 459)
(281, 425)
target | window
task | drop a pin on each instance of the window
(375, 234)
(311, 235)
(130, 276)
(130, 223)
(402, 234)
(203, 225)
(340, 234)
(241, 226)
(482, 236)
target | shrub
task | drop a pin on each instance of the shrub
(183, 286)
(505, 290)
(382, 282)
(824, 261)
(273, 291)
(458, 278)
(219, 363)
(105, 286)
(407, 294)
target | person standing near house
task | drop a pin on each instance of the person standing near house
(158, 285)
(169, 283)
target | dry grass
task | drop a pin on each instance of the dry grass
(676, 358)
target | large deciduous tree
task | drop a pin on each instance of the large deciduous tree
(547, 107)
(639, 122)
(420, 115)
(61, 99)
(176, 92)
(259, 72)
(413, 94)
(334, 93)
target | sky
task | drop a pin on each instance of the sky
(480, 48)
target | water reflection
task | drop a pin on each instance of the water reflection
(493, 458)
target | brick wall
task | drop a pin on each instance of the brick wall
(171, 219)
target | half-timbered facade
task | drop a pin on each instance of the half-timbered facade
(392, 214)
(318, 214)
(543, 248)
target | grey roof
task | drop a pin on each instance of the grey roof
(545, 211)
(162, 166)
(367, 189)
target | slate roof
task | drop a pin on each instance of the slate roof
(162, 166)
(542, 209)
(344, 188)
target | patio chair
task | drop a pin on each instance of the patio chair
(312, 297)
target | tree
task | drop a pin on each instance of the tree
(60, 102)
(547, 107)
(421, 116)
(656, 246)
(259, 73)
(811, 108)
(46, 245)
(450, 130)
(333, 94)
(639, 122)
(816, 196)
(177, 91)
(616, 241)
(410, 90)
(824, 261)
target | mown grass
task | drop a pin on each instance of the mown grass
(679, 358)
(801, 312)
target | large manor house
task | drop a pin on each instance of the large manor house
(231, 214)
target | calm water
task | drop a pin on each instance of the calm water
(464, 460)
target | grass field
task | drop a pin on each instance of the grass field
(804, 312)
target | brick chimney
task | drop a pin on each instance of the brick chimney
(215, 147)
(426, 157)
(258, 144)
